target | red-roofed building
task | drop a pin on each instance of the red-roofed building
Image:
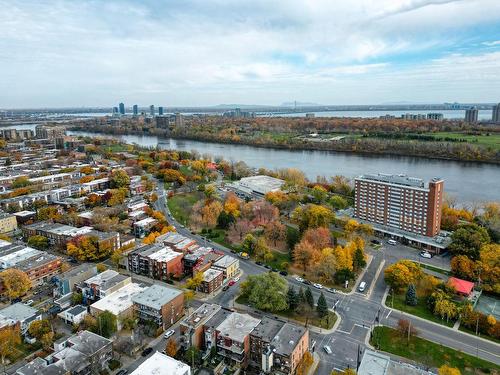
(462, 287)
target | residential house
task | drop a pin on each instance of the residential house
(212, 281)
(74, 315)
(103, 284)
(192, 327)
(229, 266)
(21, 314)
(144, 226)
(66, 282)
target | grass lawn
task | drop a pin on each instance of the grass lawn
(279, 259)
(435, 269)
(421, 310)
(180, 205)
(492, 140)
(428, 352)
(325, 323)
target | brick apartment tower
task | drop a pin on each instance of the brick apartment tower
(400, 202)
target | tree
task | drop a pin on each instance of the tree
(192, 356)
(195, 281)
(266, 291)
(319, 194)
(10, 337)
(463, 267)
(292, 299)
(309, 297)
(445, 308)
(119, 179)
(292, 237)
(15, 282)
(305, 363)
(402, 273)
(411, 295)
(447, 370)
(358, 260)
(338, 203)
(47, 339)
(468, 240)
(38, 328)
(225, 220)
(106, 324)
(249, 243)
(261, 250)
(405, 328)
(275, 231)
(319, 238)
(312, 216)
(232, 204)
(171, 348)
(210, 191)
(38, 242)
(88, 248)
(20, 182)
(303, 254)
(322, 307)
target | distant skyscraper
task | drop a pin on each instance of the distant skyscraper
(471, 115)
(179, 120)
(496, 113)
(115, 111)
(135, 110)
(121, 106)
(237, 112)
(160, 111)
(152, 110)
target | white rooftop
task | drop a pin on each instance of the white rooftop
(146, 221)
(156, 296)
(102, 277)
(237, 326)
(211, 274)
(165, 254)
(119, 301)
(10, 260)
(162, 364)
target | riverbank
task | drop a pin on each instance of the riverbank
(462, 152)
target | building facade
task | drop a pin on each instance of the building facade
(471, 115)
(400, 202)
(495, 116)
(8, 223)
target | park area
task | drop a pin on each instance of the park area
(428, 352)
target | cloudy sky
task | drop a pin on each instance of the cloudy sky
(188, 52)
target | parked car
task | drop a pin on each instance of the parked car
(375, 242)
(283, 273)
(425, 254)
(122, 372)
(332, 290)
(327, 349)
(236, 279)
(226, 287)
(231, 283)
(259, 263)
(318, 286)
(299, 279)
(267, 266)
(169, 333)
(29, 302)
(275, 270)
(307, 282)
(392, 242)
(146, 352)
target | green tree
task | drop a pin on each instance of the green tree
(292, 237)
(292, 299)
(192, 356)
(322, 307)
(319, 194)
(338, 203)
(249, 243)
(309, 298)
(225, 220)
(468, 240)
(119, 179)
(20, 182)
(266, 291)
(38, 242)
(358, 260)
(312, 216)
(301, 296)
(106, 324)
(411, 295)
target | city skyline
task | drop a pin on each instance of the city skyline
(203, 54)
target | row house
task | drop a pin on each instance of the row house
(96, 185)
(103, 284)
(68, 281)
(212, 281)
(55, 178)
(143, 227)
(156, 261)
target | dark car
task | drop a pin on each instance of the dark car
(375, 242)
(226, 287)
(259, 263)
(283, 273)
(16, 300)
(121, 372)
(267, 266)
(275, 270)
(307, 282)
(146, 352)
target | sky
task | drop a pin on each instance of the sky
(203, 52)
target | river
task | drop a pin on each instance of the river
(468, 182)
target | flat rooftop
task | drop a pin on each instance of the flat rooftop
(201, 315)
(211, 274)
(287, 338)
(225, 261)
(237, 326)
(120, 300)
(18, 312)
(162, 364)
(156, 296)
(374, 363)
(397, 179)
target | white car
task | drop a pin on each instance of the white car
(236, 279)
(299, 279)
(327, 349)
(318, 286)
(425, 254)
(169, 333)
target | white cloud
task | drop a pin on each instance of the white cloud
(200, 52)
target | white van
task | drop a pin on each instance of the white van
(392, 242)
(362, 286)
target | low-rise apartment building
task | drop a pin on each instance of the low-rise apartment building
(20, 314)
(229, 266)
(102, 285)
(156, 261)
(159, 304)
(212, 281)
(8, 223)
(144, 226)
(68, 281)
(162, 364)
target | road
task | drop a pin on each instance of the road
(358, 311)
